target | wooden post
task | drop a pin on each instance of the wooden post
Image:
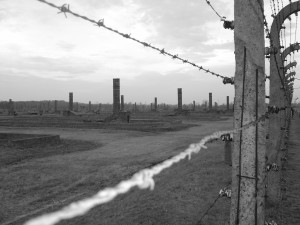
(248, 159)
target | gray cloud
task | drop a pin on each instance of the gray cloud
(174, 22)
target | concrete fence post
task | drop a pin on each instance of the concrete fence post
(248, 156)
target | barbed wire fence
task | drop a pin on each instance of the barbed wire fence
(144, 178)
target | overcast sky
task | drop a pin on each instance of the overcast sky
(44, 56)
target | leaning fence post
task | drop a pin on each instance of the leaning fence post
(248, 156)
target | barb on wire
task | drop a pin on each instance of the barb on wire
(142, 179)
(66, 9)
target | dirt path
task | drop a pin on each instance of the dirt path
(291, 197)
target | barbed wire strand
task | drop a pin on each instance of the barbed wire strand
(142, 179)
(222, 18)
(212, 205)
(66, 9)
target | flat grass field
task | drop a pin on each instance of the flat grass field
(38, 180)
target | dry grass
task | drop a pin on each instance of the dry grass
(181, 195)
